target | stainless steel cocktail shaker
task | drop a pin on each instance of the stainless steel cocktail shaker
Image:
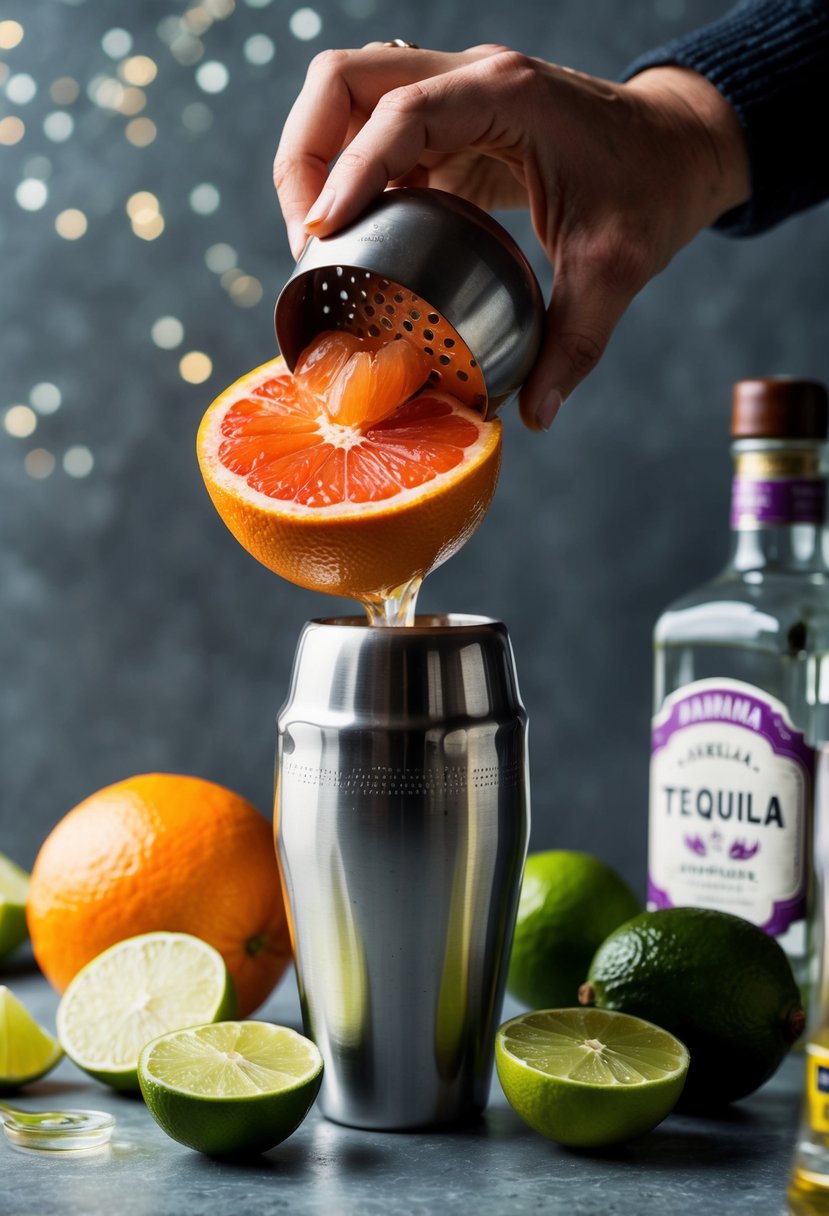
(402, 819)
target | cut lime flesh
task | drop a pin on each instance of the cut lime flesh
(587, 1077)
(27, 1051)
(14, 891)
(594, 1048)
(230, 1087)
(232, 1060)
(135, 991)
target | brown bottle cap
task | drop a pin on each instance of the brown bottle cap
(779, 407)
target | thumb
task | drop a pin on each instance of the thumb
(580, 319)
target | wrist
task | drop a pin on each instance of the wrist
(707, 128)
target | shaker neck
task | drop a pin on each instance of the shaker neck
(778, 505)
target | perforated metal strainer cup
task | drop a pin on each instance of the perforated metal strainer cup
(433, 267)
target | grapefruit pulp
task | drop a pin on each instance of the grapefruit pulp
(348, 476)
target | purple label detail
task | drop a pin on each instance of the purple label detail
(740, 851)
(657, 899)
(732, 864)
(740, 708)
(789, 500)
(785, 913)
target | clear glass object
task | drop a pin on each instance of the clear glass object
(809, 1187)
(741, 697)
(57, 1130)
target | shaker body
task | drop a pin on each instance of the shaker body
(402, 816)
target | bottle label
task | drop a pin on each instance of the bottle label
(817, 1087)
(730, 796)
(757, 503)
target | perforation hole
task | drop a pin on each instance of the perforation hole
(433, 318)
(429, 335)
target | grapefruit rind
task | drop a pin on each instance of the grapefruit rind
(361, 549)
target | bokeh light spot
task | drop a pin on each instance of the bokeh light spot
(117, 43)
(169, 28)
(71, 224)
(220, 257)
(20, 421)
(78, 461)
(230, 276)
(212, 76)
(139, 70)
(197, 19)
(64, 91)
(39, 167)
(12, 130)
(11, 34)
(195, 367)
(133, 100)
(305, 24)
(205, 199)
(39, 463)
(31, 194)
(258, 3)
(58, 126)
(148, 227)
(140, 132)
(220, 9)
(246, 291)
(197, 117)
(105, 91)
(167, 333)
(187, 49)
(21, 88)
(140, 202)
(45, 397)
(259, 49)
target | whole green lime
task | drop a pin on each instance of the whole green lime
(569, 903)
(716, 981)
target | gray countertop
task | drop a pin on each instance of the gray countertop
(738, 1162)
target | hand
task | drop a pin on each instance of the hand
(617, 178)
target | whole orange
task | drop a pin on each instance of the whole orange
(161, 852)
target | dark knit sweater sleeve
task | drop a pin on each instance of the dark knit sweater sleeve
(770, 60)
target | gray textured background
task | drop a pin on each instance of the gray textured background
(135, 634)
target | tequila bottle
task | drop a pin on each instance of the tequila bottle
(742, 686)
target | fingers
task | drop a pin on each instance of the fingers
(583, 313)
(342, 91)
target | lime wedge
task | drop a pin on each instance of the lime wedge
(234, 1087)
(136, 991)
(587, 1077)
(14, 891)
(26, 1050)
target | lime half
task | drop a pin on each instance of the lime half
(27, 1051)
(587, 1077)
(134, 992)
(14, 891)
(234, 1087)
